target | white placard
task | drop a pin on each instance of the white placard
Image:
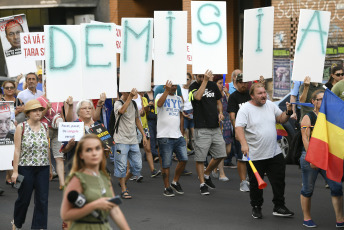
(10, 29)
(6, 155)
(63, 62)
(258, 43)
(81, 61)
(32, 45)
(189, 54)
(136, 54)
(99, 60)
(311, 43)
(69, 130)
(170, 39)
(209, 36)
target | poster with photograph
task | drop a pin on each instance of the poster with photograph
(281, 78)
(7, 127)
(10, 30)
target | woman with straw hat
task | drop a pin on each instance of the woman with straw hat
(32, 160)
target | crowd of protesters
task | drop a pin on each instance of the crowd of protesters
(204, 117)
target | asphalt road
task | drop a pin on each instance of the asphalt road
(225, 208)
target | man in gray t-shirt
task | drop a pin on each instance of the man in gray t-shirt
(127, 147)
(255, 128)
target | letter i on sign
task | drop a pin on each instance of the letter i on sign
(170, 35)
(259, 16)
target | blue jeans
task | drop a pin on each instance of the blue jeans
(169, 145)
(309, 176)
(35, 178)
(152, 132)
(124, 153)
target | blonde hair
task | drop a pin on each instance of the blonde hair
(78, 163)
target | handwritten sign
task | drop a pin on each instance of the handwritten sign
(189, 54)
(310, 49)
(209, 36)
(258, 43)
(10, 29)
(170, 39)
(32, 45)
(85, 57)
(118, 38)
(69, 130)
(136, 54)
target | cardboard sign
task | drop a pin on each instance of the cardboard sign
(136, 54)
(258, 43)
(81, 60)
(69, 130)
(310, 49)
(170, 39)
(189, 54)
(10, 30)
(32, 45)
(209, 36)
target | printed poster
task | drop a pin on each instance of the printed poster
(281, 78)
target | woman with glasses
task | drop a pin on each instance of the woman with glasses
(310, 172)
(9, 89)
(336, 75)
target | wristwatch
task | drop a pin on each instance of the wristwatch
(289, 112)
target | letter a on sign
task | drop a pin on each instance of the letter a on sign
(310, 49)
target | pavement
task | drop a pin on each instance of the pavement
(225, 208)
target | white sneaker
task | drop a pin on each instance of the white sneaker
(224, 179)
(244, 186)
(215, 174)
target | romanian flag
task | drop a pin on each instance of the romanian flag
(280, 130)
(326, 146)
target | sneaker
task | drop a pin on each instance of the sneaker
(257, 212)
(156, 159)
(186, 172)
(309, 224)
(204, 190)
(155, 173)
(177, 188)
(282, 211)
(191, 152)
(244, 186)
(215, 174)
(209, 183)
(133, 178)
(340, 225)
(168, 192)
(224, 179)
(139, 179)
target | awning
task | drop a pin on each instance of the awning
(29, 4)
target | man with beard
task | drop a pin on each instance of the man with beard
(256, 131)
(31, 92)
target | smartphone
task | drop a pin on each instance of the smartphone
(19, 181)
(116, 200)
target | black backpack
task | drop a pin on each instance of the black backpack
(296, 144)
(113, 124)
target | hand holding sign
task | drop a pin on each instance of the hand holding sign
(133, 92)
(208, 75)
(307, 81)
(168, 86)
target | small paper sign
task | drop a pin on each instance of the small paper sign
(69, 130)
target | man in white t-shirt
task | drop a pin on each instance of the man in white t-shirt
(255, 128)
(170, 136)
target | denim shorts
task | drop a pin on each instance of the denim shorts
(169, 145)
(125, 152)
(309, 176)
(188, 123)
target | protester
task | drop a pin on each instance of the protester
(294, 98)
(188, 113)
(89, 177)
(226, 127)
(310, 172)
(235, 101)
(31, 92)
(32, 160)
(170, 136)
(207, 106)
(338, 89)
(255, 128)
(126, 140)
(306, 91)
(336, 75)
(232, 87)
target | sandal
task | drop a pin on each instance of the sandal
(9, 182)
(126, 195)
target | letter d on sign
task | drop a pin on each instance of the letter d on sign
(52, 43)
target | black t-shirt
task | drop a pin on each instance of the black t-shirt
(236, 100)
(205, 111)
(329, 85)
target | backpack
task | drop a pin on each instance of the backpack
(296, 144)
(113, 123)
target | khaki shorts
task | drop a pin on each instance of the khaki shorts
(209, 140)
(55, 145)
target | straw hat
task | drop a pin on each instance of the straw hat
(31, 105)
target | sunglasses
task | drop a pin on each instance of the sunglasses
(9, 88)
(318, 99)
(339, 74)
